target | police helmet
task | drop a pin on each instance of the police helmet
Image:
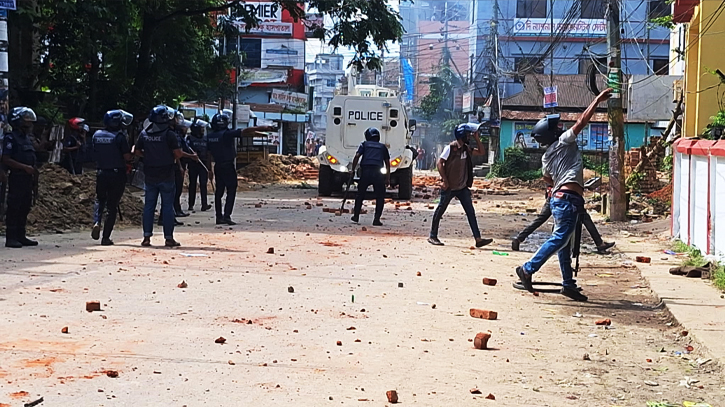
(76, 123)
(116, 119)
(85, 128)
(546, 131)
(22, 115)
(161, 115)
(464, 131)
(198, 127)
(220, 121)
(372, 134)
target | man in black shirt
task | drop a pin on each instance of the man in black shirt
(374, 170)
(160, 150)
(222, 147)
(18, 154)
(111, 152)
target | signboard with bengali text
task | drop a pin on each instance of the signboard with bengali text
(578, 28)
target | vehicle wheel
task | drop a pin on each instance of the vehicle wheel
(324, 187)
(405, 183)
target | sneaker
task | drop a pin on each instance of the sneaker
(106, 242)
(146, 242)
(13, 244)
(96, 232)
(27, 242)
(172, 243)
(435, 242)
(515, 243)
(483, 242)
(525, 278)
(377, 222)
(574, 294)
(228, 220)
(205, 208)
(355, 219)
(602, 249)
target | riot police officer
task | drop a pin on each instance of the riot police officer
(180, 126)
(197, 141)
(222, 148)
(374, 170)
(111, 152)
(18, 154)
(158, 146)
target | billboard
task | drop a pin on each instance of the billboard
(542, 26)
(292, 100)
(521, 136)
(8, 4)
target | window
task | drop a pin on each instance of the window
(252, 51)
(527, 65)
(661, 66)
(658, 8)
(531, 8)
(331, 83)
(585, 61)
(593, 9)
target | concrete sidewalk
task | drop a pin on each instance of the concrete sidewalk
(696, 304)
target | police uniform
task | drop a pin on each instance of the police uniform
(158, 156)
(374, 156)
(221, 146)
(197, 171)
(73, 160)
(19, 147)
(109, 149)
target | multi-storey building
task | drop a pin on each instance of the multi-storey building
(323, 75)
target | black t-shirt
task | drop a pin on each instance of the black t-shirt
(158, 151)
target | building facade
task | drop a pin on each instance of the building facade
(322, 78)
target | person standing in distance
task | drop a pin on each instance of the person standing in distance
(197, 140)
(375, 158)
(224, 151)
(111, 152)
(18, 155)
(455, 167)
(73, 146)
(563, 168)
(159, 149)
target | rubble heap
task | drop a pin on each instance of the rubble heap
(278, 168)
(66, 201)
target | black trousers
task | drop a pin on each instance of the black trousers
(110, 186)
(545, 214)
(179, 181)
(197, 172)
(371, 176)
(226, 182)
(20, 199)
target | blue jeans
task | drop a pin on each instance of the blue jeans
(464, 196)
(566, 213)
(166, 190)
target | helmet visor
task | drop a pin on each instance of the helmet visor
(27, 115)
(126, 118)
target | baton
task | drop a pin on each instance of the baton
(213, 188)
(347, 190)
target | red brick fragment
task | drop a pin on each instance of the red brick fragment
(339, 343)
(475, 391)
(270, 250)
(481, 340)
(93, 306)
(258, 205)
(606, 322)
(418, 274)
(112, 373)
(182, 284)
(220, 340)
(392, 396)
(643, 259)
(491, 397)
(483, 314)
(489, 281)
(64, 330)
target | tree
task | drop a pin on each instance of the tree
(137, 53)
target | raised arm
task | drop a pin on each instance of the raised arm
(587, 115)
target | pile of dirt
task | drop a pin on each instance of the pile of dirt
(66, 202)
(663, 195)
(279, 168)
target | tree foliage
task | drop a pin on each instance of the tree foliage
(100, 54)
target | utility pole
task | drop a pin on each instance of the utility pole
(237, 71)
(494, 140)
(551, 42)
(617, 192)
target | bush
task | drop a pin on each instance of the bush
(515, 160)
(599, 168)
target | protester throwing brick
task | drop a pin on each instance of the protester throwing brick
(455, 167)
(563, 168)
